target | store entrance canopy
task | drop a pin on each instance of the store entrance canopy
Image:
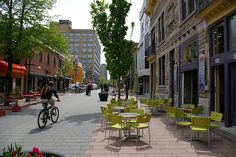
(17, 70)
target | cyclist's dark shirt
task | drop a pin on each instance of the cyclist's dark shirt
(49, 93)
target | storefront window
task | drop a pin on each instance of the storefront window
(189, 53)
(232, 32)
(218, 38)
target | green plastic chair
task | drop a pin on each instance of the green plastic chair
(138, 111)
(180, 120)
(143, 122)
(109, 108)
(216, 117)
(200, 125)
(116, 124)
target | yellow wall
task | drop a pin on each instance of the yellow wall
(76, 75)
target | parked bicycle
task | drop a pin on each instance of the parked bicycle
(47, 114)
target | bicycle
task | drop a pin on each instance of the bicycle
(46, 114)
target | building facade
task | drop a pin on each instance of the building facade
(43, 67)
(104, 71)
(195, 53)
(143, 69)
(85, 45)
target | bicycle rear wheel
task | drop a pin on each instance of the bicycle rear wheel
(54, 114)
(42, 119)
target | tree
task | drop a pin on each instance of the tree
(24, 28)
(109, 23)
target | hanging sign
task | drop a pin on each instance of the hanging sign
(201, 73)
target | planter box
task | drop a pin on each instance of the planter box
(103, 96)
(16, 109)
(2, 113)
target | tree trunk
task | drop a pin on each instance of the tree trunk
(119, 88)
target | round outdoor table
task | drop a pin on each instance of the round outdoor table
(197, 115)
(128, 115)
(118, 108)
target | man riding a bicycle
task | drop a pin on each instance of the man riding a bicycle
(46, 95)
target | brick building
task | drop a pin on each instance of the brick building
(193, 53)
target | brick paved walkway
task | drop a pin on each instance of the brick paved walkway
(163, 144)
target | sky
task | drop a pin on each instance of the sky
(78, 12)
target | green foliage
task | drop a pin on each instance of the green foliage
(102, 81)
(111, 30)
(136, 83)
(64, 70)
(26, 27)
(109, 22)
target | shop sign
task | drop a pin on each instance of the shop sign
(201, 73)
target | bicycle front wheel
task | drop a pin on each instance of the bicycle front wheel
(54, 114)
(42, 119)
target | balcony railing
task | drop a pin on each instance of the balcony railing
(202, 4)
(150, 51)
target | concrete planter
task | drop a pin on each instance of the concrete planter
(103, 96)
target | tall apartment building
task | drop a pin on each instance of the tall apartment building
(142, 63)
(104, 71)
(195, 53)
(84, 44)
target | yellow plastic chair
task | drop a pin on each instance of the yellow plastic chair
(113, 100)
(215, 117)
(138, 111)
(116, 124)
(109, 107)
(180, 120)
(143, 122)
(200, 125)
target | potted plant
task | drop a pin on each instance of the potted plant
(14, 101)
(103, 95)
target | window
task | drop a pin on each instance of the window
(90, 61)
(218, 38)
(232, 32)
(161, 28)
(77, 34)
(48, 59)
(40, 57)
(189, 53)
(71, 34)
(187, 7)
(184, 9)
(162, 70)
(84, 56)
(191, 6)
(90, 56)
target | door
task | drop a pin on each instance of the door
(172, 63)
(233, 92)
(191, 87)
(219, 89)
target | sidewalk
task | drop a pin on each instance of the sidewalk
(163, 144)
(23, 103)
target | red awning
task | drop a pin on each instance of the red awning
(17, 70)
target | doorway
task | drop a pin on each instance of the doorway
(219, 89)
(191, 87)
(233, 92)
(172, 63)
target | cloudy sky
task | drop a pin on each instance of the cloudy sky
(78, 12)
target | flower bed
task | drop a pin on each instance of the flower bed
(2, 113)
(16, 151)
